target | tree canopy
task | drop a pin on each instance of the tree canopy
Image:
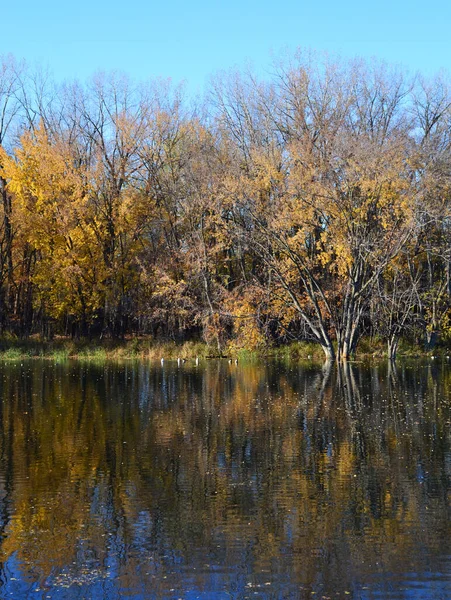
(313, 204)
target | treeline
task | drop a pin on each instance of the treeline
(314, 204)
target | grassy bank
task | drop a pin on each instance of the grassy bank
(145, 349)
(150, 349)
(136, 348)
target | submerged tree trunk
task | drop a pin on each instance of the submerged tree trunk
(392, 346)
(431, 340)
(329, 352)
(348, 333)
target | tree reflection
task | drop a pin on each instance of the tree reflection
(150, 480)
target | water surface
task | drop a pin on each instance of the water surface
(224, 481)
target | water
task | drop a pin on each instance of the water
(224, 481)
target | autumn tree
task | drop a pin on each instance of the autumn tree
(431, 160)
(329, 205)
(280, 208)
(395, 300)
(10, 83)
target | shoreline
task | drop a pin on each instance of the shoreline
(146, 348)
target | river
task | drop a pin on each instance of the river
(218, 481)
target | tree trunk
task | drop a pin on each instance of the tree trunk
(431, 340)
(349, 333)
(7, 260)
(329, 351)
(392, 347)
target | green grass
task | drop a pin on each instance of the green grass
(137, 348)
(299, 351)
(145, 348)
(60, 355)
(12, 354)
(97, 354)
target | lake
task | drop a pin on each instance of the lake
(271, 481)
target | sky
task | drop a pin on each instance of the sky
(192, 40)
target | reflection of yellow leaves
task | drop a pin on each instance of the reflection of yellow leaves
(346, 460)
(311, 491)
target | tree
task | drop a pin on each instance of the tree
(431, 161)
(10, 73)
(326, 201)
(395, 300)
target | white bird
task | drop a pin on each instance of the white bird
(179, 360)
(162, 361)
(230, 361)
(236, 361)
(197, 361)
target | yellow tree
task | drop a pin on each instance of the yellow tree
(50, 213)
(325, 192)
(10, 82)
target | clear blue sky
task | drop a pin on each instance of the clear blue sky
(190, 40)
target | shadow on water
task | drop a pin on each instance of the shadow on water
(225, 481)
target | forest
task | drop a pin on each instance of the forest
(309, 204)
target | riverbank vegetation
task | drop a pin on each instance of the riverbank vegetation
(313, 205)
(148, 349)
